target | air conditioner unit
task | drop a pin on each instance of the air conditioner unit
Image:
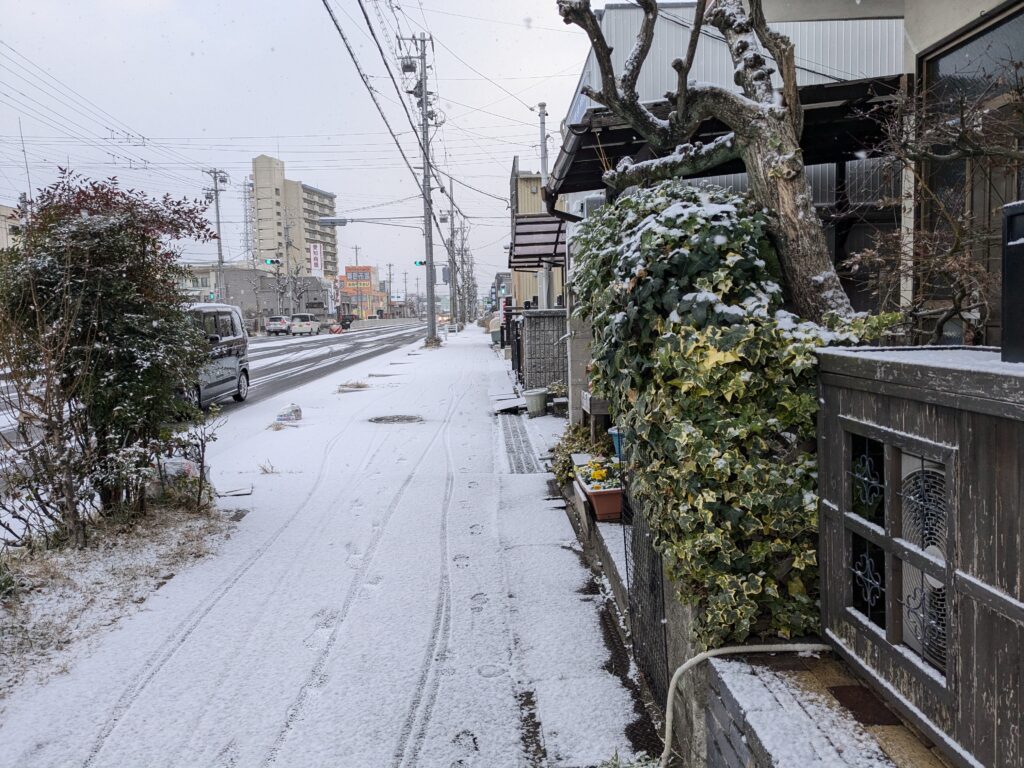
(925, 524)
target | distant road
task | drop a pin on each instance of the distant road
(280, 363)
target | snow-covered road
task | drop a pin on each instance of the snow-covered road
(395, 597)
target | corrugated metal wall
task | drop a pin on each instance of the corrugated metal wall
(826, 51)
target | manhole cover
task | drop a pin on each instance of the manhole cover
(396, 419)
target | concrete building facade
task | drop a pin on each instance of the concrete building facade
(8, 219)
(285, 216)
(525, 189)
(261, 294)
(362, 283)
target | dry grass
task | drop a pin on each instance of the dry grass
(351, 386)
(66, 597)
(267, 468)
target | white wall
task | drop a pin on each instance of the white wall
(929, 21)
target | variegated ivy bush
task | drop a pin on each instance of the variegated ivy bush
(714, 384)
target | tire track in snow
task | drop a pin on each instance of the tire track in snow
(315, 676)
(188, 626)
(379, 444)
(425, 694)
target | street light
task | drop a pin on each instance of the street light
(339, 221)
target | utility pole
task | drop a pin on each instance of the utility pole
(545, 290)
(359, 289)
(452, 267)
(417, 303)
(247, 236)
(389, 312)
(423, 92)
(288, 262)
(465, 274)
(405, 294)
(219, 177)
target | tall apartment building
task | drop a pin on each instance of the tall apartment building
(285, 217)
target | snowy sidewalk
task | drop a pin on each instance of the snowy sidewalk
(396, 596)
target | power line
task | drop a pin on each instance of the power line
(82, 104)
(369, 88)
(398, 90)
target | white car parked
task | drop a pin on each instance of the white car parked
(307, 324)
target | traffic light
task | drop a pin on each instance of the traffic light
(420, 263)
(271, 261)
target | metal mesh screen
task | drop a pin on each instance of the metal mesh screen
(645, 582)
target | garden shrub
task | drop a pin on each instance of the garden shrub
(714, 384)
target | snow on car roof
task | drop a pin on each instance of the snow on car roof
(212, 305)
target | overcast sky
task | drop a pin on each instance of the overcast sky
(213, 84)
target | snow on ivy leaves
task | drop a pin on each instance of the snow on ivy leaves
(714, 383)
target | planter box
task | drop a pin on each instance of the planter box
(606, 503)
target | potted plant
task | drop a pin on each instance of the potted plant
(601, 480)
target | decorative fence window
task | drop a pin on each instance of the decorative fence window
(898, 511)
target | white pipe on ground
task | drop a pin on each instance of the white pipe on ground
(731, 650)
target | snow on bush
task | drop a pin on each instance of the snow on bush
(96, 344)
(714, 385)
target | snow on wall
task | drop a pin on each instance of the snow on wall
(760, 717)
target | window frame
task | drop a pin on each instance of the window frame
(221, 317)
(897, 549)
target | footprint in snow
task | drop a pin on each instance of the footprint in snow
(490, 670)
(467, 740)
(476, 529)
(461, 561)
(477, 602)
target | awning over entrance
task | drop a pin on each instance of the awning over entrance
(537, 240)
(836, 129)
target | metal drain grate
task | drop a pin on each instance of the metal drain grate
(521, 456)
(397, 419)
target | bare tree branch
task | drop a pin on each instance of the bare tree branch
(631, 71)
(781, 49)
(687, 159)
(765, 136)
(752, 73)
(626, 104)
(683, 66)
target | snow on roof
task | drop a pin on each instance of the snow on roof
(211, 305)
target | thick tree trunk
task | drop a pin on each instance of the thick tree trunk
(778, 181)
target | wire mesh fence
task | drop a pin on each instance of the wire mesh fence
(645, 583)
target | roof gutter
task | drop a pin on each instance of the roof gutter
(551, 200)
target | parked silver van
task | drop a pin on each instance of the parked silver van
(228, 369)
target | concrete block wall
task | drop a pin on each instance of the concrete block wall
(578, 345)
(692, 693)
(544, 351)
(727, 746)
